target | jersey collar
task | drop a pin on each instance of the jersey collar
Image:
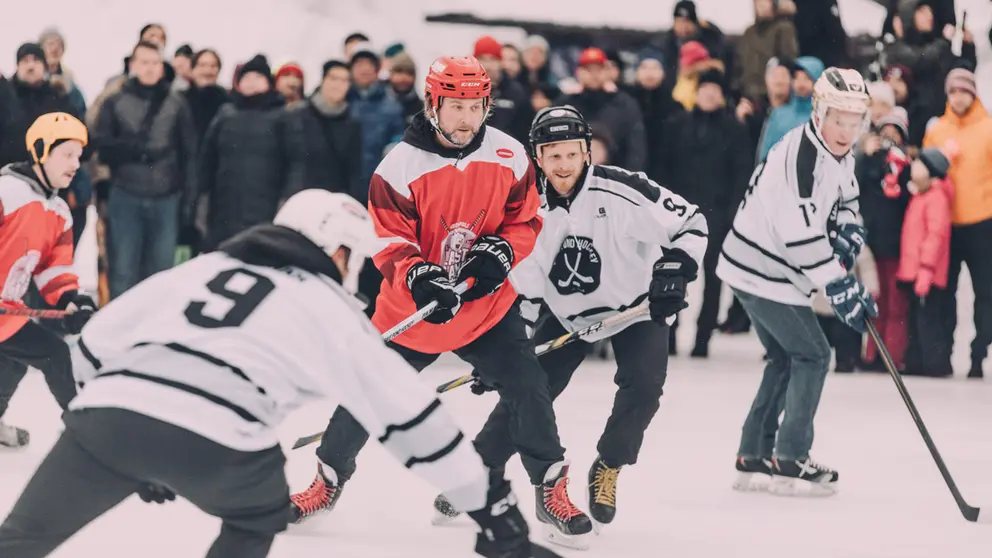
(555, 200)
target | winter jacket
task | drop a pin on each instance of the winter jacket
(512, 112)
(244, 164)
(688, 81)
(618, 114)
(30, 102)
(382, 126)
(883, 216)
(155, 162)
(971, 173)
(204, 103)
(710, 36)
(926, 234)
(760, 42)
(657, 106)
(796, 112)
(331, 147)
(705, 159)
(820, 32)
(865, 270)
(410, 101)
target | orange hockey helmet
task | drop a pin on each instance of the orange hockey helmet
(50, 128)
(459, 78)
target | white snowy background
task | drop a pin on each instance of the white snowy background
(676, 501)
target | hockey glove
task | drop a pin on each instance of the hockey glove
(428, 282)
(666, 294)
(851, 302)
(848, 240)
(504, 530)
(80, 308)
(489, 262)
(478, 386)
(150, 492)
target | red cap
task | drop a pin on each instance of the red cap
(592, 55)
(488, 46)
(289, 69)
(691, 53)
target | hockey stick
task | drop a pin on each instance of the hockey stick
(969, 512)
(557, 343)
(389, 335)
(33, 313)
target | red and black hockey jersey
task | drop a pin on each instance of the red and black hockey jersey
(430, 203)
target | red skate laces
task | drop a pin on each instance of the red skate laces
(315, 498)
(557, 503)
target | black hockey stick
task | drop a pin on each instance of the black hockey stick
(969, 512)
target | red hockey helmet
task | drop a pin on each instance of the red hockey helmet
(459, 77)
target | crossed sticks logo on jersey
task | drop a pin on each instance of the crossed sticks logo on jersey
(577, 267)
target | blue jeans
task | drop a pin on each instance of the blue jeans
(142, 235)
(798, 360)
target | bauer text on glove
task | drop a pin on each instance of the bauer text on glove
(489, 261)
(428, 282)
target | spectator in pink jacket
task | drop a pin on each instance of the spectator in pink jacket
(923, 264)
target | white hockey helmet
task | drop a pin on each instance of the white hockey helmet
(840, 89)
(331, 221)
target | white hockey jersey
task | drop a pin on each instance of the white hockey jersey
(594, 258)
(226, 350)
(779, 247)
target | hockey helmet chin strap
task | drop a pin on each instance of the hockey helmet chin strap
(437, 125)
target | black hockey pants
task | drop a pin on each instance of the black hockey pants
(105, 454)
(641, 352)
(33, 345)
(504, 357)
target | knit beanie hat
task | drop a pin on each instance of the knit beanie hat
(961, 78)
(650, 53)
(712, 76)
(686, 9)
(30, 49)
(935, 161)
(881, 91)
(898, 118)
(258, 64)
(404, 63)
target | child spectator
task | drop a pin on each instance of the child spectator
(923, 266)
(694, 59)
(846, 342)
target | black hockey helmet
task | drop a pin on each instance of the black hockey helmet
(554, 124)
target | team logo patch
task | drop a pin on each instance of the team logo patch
(460, 237)
(577, 267)
(504, 153)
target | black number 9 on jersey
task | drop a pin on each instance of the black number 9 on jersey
(243, 301)
(675, 207)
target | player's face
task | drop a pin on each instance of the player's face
(562, 164)
(62, 163)
(460, 119)
(841, 129)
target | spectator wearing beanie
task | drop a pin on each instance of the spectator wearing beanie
(381, 116)
(656, 103)
(245, 160)
(965, 132)
(706, 160)
(688, 27)
(614, 111)
(879, 161)
(53, 44)
(799, 108)
(402, 78)
(772, 35)
(694, 59)
(388, 57)
(924, 265)
(290, 83)
(536, 70)
(511, 110)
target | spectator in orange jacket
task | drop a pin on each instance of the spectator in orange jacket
(965, 131)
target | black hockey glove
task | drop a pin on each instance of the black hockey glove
(504, 531)
(80, 307)
(489, 262)
(479, 387)
(150, 492)
(429, 282)
(666, 295)
(847, 241)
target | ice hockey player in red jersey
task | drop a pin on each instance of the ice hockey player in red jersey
(36, 243)
(456, 201)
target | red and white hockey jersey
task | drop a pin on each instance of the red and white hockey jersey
(430, 203)
(35, 242)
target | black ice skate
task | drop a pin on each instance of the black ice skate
(802, 478)
(602, 493)
(13, 437)
(565, 523)
(444, 512)
(754, 474)
(322, 495)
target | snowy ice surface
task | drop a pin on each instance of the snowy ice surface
(675, 502)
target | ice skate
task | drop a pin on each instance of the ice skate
(754, 474)
(444, 512)
(13, 437)
(602, 493)
(322, 495)
(802, 478)
(565, 524)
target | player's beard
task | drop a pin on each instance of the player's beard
(461, 137)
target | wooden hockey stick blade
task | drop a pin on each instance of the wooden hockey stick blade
(33, 312)
(969, 512)
(560, 342)
(307, 440)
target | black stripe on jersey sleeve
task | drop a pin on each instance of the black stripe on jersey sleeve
(805, 241)
(813, 266)
(412, 423)
(180, 348)
(634, 181)
(602, 309)
(693, 232)
(95, 362)
(765, 253)
(439, 454)
(806, 157)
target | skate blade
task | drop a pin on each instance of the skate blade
(785, 486)
(575, 542)
(752, 482)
